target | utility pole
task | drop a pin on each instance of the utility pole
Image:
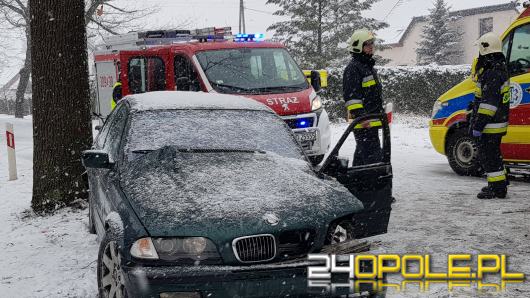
(241, 17)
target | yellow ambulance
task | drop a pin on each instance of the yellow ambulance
(448, 126)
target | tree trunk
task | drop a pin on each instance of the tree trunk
(319, 36)
(61, 103)
(24, 74)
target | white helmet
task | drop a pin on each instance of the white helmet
(357, 40)
(489, 43)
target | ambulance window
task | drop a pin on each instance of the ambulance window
(184, 69)
(146, 74)
(520, 51)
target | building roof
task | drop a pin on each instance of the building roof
(180, 100)
(12, 84)
(457, 13)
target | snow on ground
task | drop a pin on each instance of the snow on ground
(52, 256)
(436, 213)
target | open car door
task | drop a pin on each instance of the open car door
(371, 184)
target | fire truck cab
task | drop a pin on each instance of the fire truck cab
(214, 60)
(448, 127)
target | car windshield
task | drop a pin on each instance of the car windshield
(210, 131)
(252, 71)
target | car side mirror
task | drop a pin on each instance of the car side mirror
(96, 159)
(183, 84)
(315, 80)
(98, 127)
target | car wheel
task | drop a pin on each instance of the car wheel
(317, 159)
(91, 225)
(111, 282)
(462, 153)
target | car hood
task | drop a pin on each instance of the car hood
(228, 194)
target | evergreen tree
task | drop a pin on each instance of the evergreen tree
(317, 31)
(441, 42)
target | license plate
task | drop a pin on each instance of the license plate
(306, 136)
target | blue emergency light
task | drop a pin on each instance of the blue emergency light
(303, 123)
(244, 37)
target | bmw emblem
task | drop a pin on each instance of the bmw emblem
(271, 219)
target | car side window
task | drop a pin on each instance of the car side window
(519, 58)
(184, 69)
(112, 144)
(103, 133)
(146, 74)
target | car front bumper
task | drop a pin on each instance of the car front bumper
(321, 144)
(438, 134)
(218, 281)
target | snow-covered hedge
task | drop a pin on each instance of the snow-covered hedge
(412, 89)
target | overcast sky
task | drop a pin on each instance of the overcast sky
(204, 13)
(216, 13)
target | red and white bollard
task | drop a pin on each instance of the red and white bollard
(389, 110)
(11, 157)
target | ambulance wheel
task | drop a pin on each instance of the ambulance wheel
(462, 153)
(315, 160)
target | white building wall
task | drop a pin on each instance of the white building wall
(469, 25)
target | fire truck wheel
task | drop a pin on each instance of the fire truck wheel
(462, 153)
(317, 159)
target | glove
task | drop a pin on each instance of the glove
(477, 133)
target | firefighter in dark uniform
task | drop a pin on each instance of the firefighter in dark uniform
(489, 117)
(362, 94)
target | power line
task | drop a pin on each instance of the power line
(398, 3)
(257, 10)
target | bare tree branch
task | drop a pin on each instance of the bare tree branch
(106, 28)
(9, 5)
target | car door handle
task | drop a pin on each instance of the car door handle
(389, 176)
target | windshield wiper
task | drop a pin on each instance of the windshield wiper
(282, 88)
(219, 150)
(143, 151)
(231, 87)
(204, 150)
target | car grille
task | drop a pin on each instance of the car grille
(252, 249)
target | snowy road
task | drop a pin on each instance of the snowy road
(436, 213)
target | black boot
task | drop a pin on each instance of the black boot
(488, 194)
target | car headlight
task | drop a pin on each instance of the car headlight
(438, 105)
(316, 103)
(187, 249)
(144, 249)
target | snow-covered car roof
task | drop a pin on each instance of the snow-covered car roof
(177, 100)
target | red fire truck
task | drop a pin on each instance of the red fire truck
(214, 60)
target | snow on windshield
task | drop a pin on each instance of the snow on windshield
(249, 70)
(211, 129)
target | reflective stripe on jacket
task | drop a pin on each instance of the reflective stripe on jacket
(492, 108)
(361, 87)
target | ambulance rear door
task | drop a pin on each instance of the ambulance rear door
(107, 71)
(516, 144)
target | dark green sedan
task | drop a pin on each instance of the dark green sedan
(207, 195)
